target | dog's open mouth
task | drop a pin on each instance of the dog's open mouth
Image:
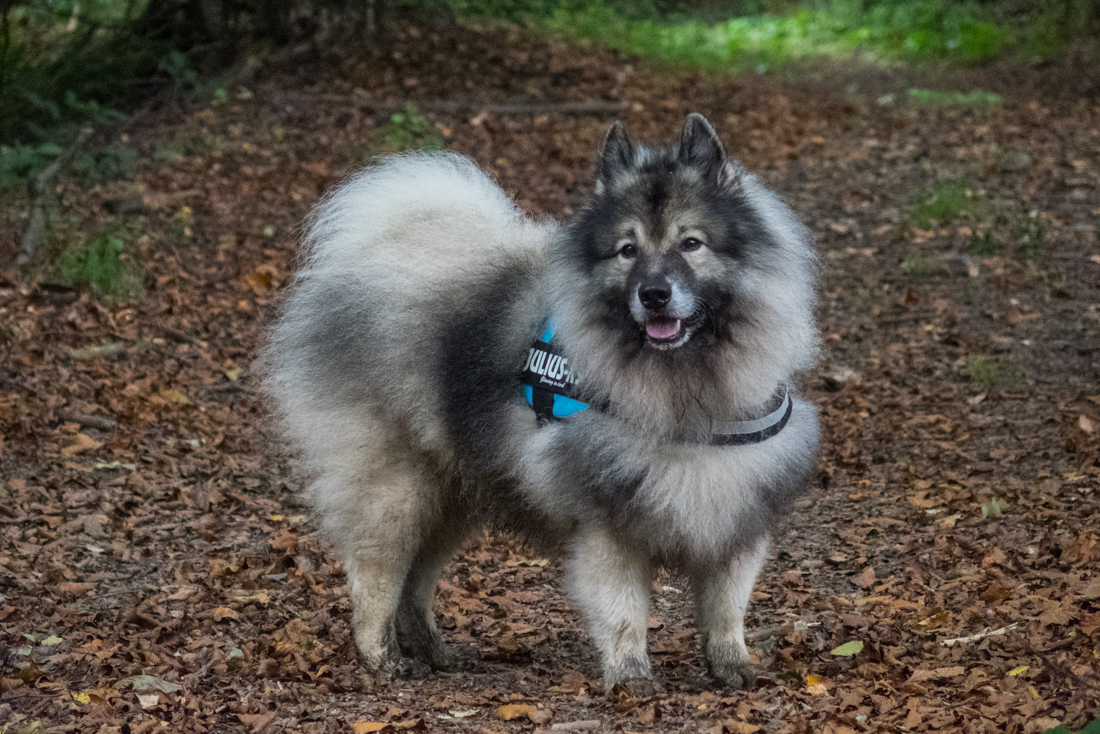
(663, 329)
(665, 332)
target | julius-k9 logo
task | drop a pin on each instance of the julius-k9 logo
(552, 369)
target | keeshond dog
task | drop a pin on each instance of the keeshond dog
(620, 388)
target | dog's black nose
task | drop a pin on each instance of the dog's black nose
(655, 292)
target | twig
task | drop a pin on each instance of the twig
(37, 188)
(987, 632)
(582, 725)
(181, 337)
(88, 421)
(779, 630)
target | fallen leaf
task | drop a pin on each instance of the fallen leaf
(257, 722)
(175, 396)
(148, 683)
(815, 684)
(936, 674)
(148, 700)
(83, 442)
(515, 711)
(741, 727)
(866, 578)
(541, 716)
(225, 613)
(250, 597)
(366, 727)
(74, 588)
(1017, 671)
(848, 649)
(463, 714)
(102, 350)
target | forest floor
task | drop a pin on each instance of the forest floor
(159, 572)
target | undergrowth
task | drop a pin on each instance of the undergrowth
(102, 266)
(409, 130)
(988, 373)
(880, 30)
(947, 202)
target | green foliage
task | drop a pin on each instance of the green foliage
(885, 29)
(992, 508)
(984, 243)
(1030, 234)
(114, 162)
(988, 374)
(409, 130)
(948, 201)
(65, 64)
(918, 263)
(102, 266)
(933, 98)
(18, 161)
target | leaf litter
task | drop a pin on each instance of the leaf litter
(952, 535)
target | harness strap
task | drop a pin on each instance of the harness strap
(549, 386)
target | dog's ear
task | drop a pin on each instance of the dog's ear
(701, 148)
(616, 154)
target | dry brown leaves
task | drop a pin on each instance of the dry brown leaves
(158, 569)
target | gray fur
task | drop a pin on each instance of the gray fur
(393, 371)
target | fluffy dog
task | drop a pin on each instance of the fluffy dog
(620, 387)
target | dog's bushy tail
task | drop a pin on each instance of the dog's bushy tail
(432, 213)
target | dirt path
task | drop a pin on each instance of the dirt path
(157, 566)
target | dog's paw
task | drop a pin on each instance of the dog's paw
(455, 660)
(411, 669)
(377, 677)
(636, 688)
(738, 676)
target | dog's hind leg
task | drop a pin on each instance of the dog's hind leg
(721, 600)
(417, 634)
(612, 584)
(376, 524)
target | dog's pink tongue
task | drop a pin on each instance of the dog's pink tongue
(662, 328)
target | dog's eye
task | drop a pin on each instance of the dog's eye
(629, 251)
(691, 244)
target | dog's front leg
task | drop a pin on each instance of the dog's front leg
(611, 583)
(721, 600)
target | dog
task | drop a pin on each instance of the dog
(619, 388)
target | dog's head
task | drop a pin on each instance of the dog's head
(680, 254)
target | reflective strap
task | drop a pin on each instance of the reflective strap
(742, 433)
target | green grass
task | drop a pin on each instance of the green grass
(102, 266)
(1029, 234)
(1014, 232)
(933, 98)
(409, 130)
(985, 243)
(885, 30)
(764, 33)
(917, 263)
(987, 373)
(947, 202)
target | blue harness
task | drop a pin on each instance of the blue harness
(550, 387)
(549, 384)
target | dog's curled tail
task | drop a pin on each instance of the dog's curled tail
(432, 213)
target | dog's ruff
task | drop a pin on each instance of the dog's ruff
(393, 372)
